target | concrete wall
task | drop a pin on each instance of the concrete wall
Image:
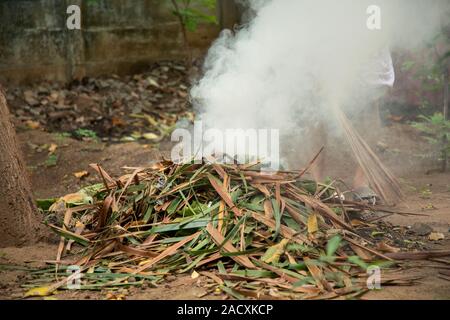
(117, 36)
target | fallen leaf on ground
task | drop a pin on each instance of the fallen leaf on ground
(81, 174)
(436, 236)
(150, 136)
(39, 292)
(312, 223)
(52, 148)
(114, 296)
(32, 124)
(78, 198)
(384, 247)
(274, 253)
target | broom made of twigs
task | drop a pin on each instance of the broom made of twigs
(379, 177)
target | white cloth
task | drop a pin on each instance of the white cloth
(379, 70)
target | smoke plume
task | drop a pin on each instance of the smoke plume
(295, 58)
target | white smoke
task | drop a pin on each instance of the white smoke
(297, 57)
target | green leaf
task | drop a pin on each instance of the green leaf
(173, 206)
(357, 260)
(45, 204)
(254, 273)
(148, 214)
(333, 244)
(51, 160)
(70, 235)
(86, 133)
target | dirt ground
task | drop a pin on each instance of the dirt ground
(404, 150)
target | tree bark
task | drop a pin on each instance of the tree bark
(18, 213)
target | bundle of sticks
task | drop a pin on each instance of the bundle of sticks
(380, 178)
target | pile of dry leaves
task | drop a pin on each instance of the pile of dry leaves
(249, 234)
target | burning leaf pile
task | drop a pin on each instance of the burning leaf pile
(245, 233)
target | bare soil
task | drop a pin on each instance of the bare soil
(425, 193)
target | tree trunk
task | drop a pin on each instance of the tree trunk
(18, 213)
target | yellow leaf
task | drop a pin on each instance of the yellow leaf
(78, 198)
(190, 116)
(143, 262)
(312, 223)
(39, 292)
(114, 296)
(150, 136)
(79, 224)
(153, 82)
(73, 198)
(436, 236)
(195, 275)
(81, 174)
(52, 148)
(357, 223)
(274, 253)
